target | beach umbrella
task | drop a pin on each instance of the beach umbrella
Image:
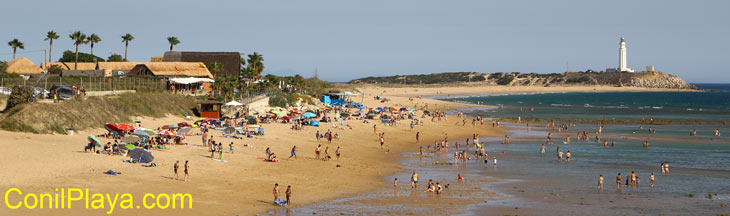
(294, 111)
(142, 155)
(173, 126)
(130, 139)
(126, 127)
(199, 120)
(144, 132)
(129, 146)
(208, 119)
(403, 109)
(359, 111)
(325, 108)
(95, 140)
(165, 126)
(286, 118)
(183, 124)
(184, 131)
(112, 127)
(309, 115)
(277, 112)
(165, 133)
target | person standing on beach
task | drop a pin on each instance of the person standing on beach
(187, 171)
(375, 128)
(414, 180)
(175, 167)
(542, 148)
(276, 193)
(600, 182)
(560, 156)
(293, 152)
(316, 152)
(633, 178)
(420, 150)
(567, 157)
(618, 181)
(418, 137)
(288, 194)
(205, 139)
(651, 179)
(337, 153)
(382, 140)
(395, 183)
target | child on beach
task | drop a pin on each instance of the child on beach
(414, 180)
(600, 182)
(395, 183)
(231, 147)
(651, 179)
(293, 152)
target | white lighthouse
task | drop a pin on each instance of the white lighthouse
(622, 57)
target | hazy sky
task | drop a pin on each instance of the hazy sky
(352, 39)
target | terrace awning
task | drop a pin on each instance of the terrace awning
(190, 80)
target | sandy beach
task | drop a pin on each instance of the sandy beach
(243, 185)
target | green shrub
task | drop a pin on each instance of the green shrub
(505, 80)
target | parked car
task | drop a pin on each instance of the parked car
(64, 92)
(5, 91)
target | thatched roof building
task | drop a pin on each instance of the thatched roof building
(118, 66)
(231, 61)
(70, 65)
(171, 69)
(23, 66)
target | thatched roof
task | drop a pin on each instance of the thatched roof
(172, 69)
(70, 65)
(118, 66)
(23, 66)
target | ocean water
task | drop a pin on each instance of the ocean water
(711, 105)
(531, 183)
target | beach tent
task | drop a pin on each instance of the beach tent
(309, 115)
(141, 155)
(94, 140)
(233, 103)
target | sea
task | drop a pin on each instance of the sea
(528, 182)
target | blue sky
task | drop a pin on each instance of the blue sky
(352, 39)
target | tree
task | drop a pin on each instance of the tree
(173, 41)
(126, 39)
(50, 36)
(15, 44)
(255, 66)
(216, 67)
(93, 38)
(70, 56)
(78, 39)
(115, 58)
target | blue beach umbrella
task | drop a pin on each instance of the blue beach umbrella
(309, 115)
(95, 140)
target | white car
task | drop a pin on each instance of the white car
(5, 91)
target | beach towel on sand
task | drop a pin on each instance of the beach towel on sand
(219, 160)
(111, 172)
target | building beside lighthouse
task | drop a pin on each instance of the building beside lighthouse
(622, 66)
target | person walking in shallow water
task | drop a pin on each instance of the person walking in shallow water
(600, 182)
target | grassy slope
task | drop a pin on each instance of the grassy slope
(93, 112)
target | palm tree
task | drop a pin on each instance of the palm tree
(93, 38)
(126, 39)
(50, 36)
(15, 44)
(255, 65)
(78, 38)
(173, 41)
